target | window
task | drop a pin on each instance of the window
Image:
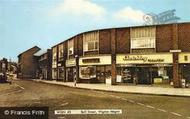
(92, 46)
(87, 72)
(54, 74)
(91, 41)
(60, 52)
(143, 38)
(70, 48)
(54, 57)
(61, 73)
(43, 57)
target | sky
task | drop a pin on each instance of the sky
(45, 23)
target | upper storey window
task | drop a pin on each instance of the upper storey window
(143, 38)
(54, 57)
(70, 48)
(60, 52)
(91, 42)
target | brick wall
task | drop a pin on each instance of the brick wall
(104, 42)
(123, 40)
(80, 44)
(164, 38)
(184, 37)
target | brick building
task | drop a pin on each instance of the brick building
(28, 63)
(140, 55)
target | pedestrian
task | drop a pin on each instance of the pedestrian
(75, 79)
(135, 80)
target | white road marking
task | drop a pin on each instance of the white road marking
(112, 95)
(150, 106)
(175, 114)
(140, 104)
(131, 101)
(161, 110)
(66, 103)
(124, 99)
(20, 87)
(118, 97)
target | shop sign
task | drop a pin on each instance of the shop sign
(144, 59)
(184, 57)
(92, 60)
(70, 62)
(157, 80)
(98, 60)
(175, 50)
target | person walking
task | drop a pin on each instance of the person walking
(75, 79)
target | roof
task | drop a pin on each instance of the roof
(40, 52)
(135, 26)
(28, 50)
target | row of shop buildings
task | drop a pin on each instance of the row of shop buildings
(157, 54)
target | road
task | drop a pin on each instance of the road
(56, 97)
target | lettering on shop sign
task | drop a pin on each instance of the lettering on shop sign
(94, 60)
(141, 58)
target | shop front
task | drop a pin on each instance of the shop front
(144, 69)
(61, 71)
(54, 73)
(44, 73)
(184, 61)
(70, 70)
(96, 69)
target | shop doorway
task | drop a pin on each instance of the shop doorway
(185, 71)
(70, 74)
(144, 75)
(103, 73)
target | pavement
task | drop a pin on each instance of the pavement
(140, 89)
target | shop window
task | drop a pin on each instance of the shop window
(54, 74)
(87, 72)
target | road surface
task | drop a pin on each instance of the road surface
(134, 106)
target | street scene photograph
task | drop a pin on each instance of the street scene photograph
(94, 59)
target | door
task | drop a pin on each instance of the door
(70, 74)
(144, 75)
(100, 72)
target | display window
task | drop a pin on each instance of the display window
(87, 72)
(54, 73)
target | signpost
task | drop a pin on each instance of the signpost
(161, 18)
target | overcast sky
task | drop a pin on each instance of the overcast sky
(26, 23)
